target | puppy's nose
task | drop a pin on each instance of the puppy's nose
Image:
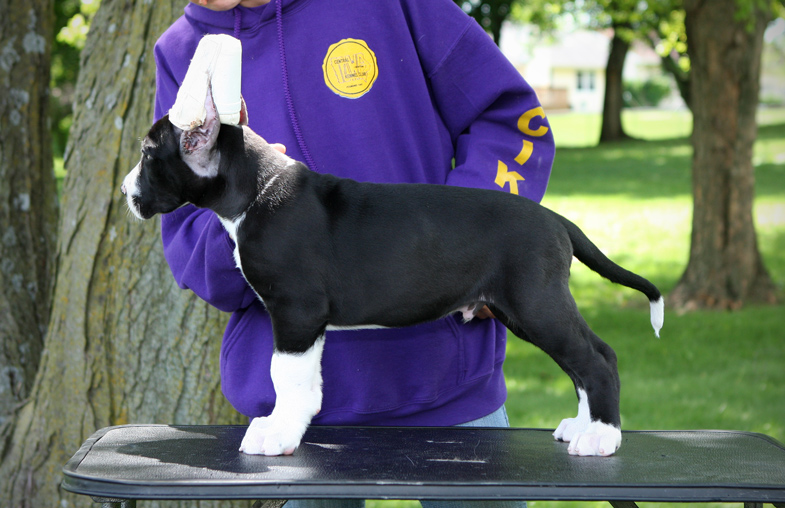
(122, 189)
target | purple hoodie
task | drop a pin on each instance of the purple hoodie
(389, 91)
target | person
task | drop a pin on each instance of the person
(393, 91)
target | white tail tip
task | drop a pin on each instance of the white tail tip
(657, 315)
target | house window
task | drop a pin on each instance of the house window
(585, 80)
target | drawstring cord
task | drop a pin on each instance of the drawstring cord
(238, 22)
(238, 19)
(287, 93)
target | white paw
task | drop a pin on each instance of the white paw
(266, 436)
(598, 439)
(587, 437)
(253, 441)
(569, 427)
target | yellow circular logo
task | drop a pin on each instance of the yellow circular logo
(350, 68)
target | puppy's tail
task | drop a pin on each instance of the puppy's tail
(591, 256)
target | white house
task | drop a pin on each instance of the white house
(568, 69)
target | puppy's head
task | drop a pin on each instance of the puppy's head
(177, 166)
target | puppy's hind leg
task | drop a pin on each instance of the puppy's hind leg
(297, 379)
(596, 430)
(557, 328)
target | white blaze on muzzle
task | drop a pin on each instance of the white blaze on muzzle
(131, 189)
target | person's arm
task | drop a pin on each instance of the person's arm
(196, 245)
(501, 136)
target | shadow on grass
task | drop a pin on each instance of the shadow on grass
(776, 131)
(656, 169)
(772, 247)
(644, 169)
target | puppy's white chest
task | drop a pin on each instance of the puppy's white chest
(231, 227)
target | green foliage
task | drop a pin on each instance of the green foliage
(747, 9)
(490, 14)
(74, 33)
(778, 6)
(546, 15)
(72, 22)
(634, 18)
(646, 93)
(672, 41)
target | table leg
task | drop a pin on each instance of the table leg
(115, 503)
(269, 503)
(623, 504)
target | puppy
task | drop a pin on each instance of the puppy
(301, 237)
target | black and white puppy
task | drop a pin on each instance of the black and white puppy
(325, 253)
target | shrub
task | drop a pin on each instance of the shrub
(646, 93)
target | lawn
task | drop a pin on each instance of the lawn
(710, 370)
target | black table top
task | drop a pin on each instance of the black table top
(203, 462)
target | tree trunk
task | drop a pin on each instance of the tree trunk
(612, 129)
(499, 10)
(28, 200)
(725, 268)
(490, 14)
(124, 344)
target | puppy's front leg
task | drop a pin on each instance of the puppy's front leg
(587, 436)
(297, 378)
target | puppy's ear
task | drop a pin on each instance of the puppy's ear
(196, 144)
(204, 136)
(243, 112)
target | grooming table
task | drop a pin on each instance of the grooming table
(132, 462)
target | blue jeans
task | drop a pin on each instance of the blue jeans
(496, 419)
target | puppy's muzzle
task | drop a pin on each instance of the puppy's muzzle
(130, 190)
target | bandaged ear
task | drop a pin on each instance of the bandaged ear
(205, 134)
(216, 65)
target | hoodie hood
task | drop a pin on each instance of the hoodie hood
(242, 18)
(247, 21)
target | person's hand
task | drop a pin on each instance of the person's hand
(485, 313)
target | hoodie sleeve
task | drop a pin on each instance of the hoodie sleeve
(196, 245)
(501, 136)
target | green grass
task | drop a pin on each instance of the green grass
(710, 370)
(583, 129)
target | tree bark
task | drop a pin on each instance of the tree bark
(725, 268)
(124, 344)
(612, 128)
(28, 200)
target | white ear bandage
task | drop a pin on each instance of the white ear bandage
(216, 64)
